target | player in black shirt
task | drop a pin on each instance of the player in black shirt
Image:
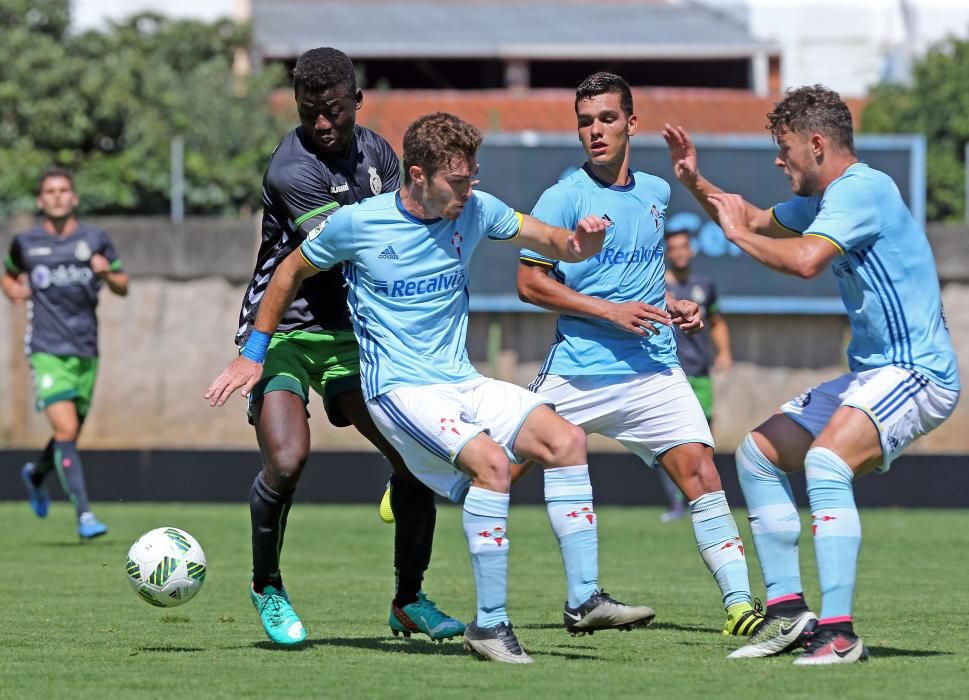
(326, 162)
(58, 268)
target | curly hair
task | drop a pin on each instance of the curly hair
(437, 140)
(602, 84)
(815, 109)
(324, 68)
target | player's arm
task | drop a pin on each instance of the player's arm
(111, 274)
(805, 256)
(686, 168)
(561, 244)
(12, 281)
(245, 370)
(720, 335)
(535, 286)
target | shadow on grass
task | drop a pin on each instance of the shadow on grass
(99, 543)
(394, 646)
(684, 628)
(889, 652)
(171, 650)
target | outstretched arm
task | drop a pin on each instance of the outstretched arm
(245, 370)
(805, 256)
(562, 244)
(685, 163)
(536, 287)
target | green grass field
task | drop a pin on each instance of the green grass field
(71, 626)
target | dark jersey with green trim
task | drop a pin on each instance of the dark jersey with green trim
(695, 352)
(299, 191)
(61, 313)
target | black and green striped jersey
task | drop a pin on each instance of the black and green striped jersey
(61, 313)
(299, 191)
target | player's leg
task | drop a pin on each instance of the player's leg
(416, 516)
(279, 417)
(560, 446)
(34, 474)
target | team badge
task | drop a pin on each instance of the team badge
(657, 216)
(697, 294)
(82, 251)
(375, 182)
(40, 277)
(456, 240)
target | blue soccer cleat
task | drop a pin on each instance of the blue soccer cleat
(37, 495)
(423, 616)
(89, 527)
(280, 621)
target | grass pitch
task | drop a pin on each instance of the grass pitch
(70, 625)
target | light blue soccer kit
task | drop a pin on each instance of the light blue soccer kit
(615, 383)
(903, 375)
(408, 296)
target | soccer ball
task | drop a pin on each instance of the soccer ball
(166, 567)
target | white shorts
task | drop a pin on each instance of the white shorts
(647, 413)
(903, 405)
(429, 425)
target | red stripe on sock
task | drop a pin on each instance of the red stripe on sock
(834, 620)
(783, 598)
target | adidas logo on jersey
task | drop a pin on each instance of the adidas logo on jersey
(388, 253)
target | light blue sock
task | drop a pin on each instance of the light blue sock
(774, 521)
(486, 527)
(720, 546)
(568, 500)
(837, 530)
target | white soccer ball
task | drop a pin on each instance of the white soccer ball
(166, 567)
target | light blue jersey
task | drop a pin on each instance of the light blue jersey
(630, 267)
(408, 285)
(886, 273)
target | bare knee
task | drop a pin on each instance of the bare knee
(565, 447)
(493, 473)
(692, 469)
(283, 466)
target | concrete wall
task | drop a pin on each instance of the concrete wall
(163, 343)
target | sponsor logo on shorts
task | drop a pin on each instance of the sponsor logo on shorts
(449, 424)
(802, 400)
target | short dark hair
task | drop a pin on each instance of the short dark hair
(669, 233)
(604, 83)
(55, 171)
(436, 140)
(324, 68)
(815, 109)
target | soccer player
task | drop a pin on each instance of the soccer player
(903, 380)
(612, 369)
(693, 350)
(326, 162)
(406, 258)
(58, 267)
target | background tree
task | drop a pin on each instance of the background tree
(936, 104)
(108, 103)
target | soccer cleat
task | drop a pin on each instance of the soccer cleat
(423, 616)
(37, 495)
(600, 612)
(497, 643)
(89, 527)
(743, 619)
(280, 621)
(777, 635)
(386, 510)
(827, 646)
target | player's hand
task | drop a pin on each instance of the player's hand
(242, 373)
(18, 292)
(682, 154)
(723, 362)
(732, 212)
(100, 265)
(590, 233)
(686, 315)
(638, 317)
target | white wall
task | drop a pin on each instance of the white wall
(849, 45)
(95, 14)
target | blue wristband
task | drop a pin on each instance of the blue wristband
(255, 347)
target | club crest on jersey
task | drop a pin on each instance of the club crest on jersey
(375, 182)
(82, 251)
(658, 216)
(456, 240)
